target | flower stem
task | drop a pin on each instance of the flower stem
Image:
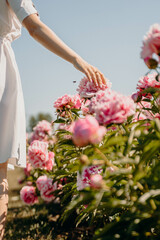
(107, 162)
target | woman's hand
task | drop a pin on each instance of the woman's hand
(92, 73)
(44, 35)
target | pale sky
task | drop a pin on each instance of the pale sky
(107, 34)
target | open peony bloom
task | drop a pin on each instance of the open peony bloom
(112, 107)
(40, 131)
(86, 131)
(98, 97)
(68, 101)
(87, 89)
(84, 179)
(28, 195)
(39, 156)
(151, 42)
(46, 188)
(147, 82)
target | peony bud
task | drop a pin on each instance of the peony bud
(84, 160)
(96, 181)
(151, 63)
(135, 97)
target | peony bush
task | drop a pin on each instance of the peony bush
(99, 170)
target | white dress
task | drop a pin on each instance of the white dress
(12, 108)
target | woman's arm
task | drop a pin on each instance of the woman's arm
(44, 35)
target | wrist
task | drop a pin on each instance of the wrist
(75, 59)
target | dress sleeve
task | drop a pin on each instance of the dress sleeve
(22, 8)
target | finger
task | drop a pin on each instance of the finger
(98, 76)
(101, 74)
(99, 79)
(104, 80)
(88, 76)
(93, 75)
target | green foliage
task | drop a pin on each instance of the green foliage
(127, 205)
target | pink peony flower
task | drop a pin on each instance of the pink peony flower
(46, 188)
(99, 97)
(68, 101)
(39, 156)
(151, 42)
(112, 107)
(85, 106)
(41, 130)
(147, 82)
(28, 195)
(96, 181)
(41, 182)
(87, 89)
(84, 179)
(86, 131)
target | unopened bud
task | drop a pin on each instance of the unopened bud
(96, 181)
(137, 133)
(151, 63)
(84, 160)
(135, 97)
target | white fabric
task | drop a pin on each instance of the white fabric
(12, 108)
(22, 8)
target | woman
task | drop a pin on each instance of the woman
(13, 14)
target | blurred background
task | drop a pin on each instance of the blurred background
(107, 34)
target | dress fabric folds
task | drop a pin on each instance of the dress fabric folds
(12, 108)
